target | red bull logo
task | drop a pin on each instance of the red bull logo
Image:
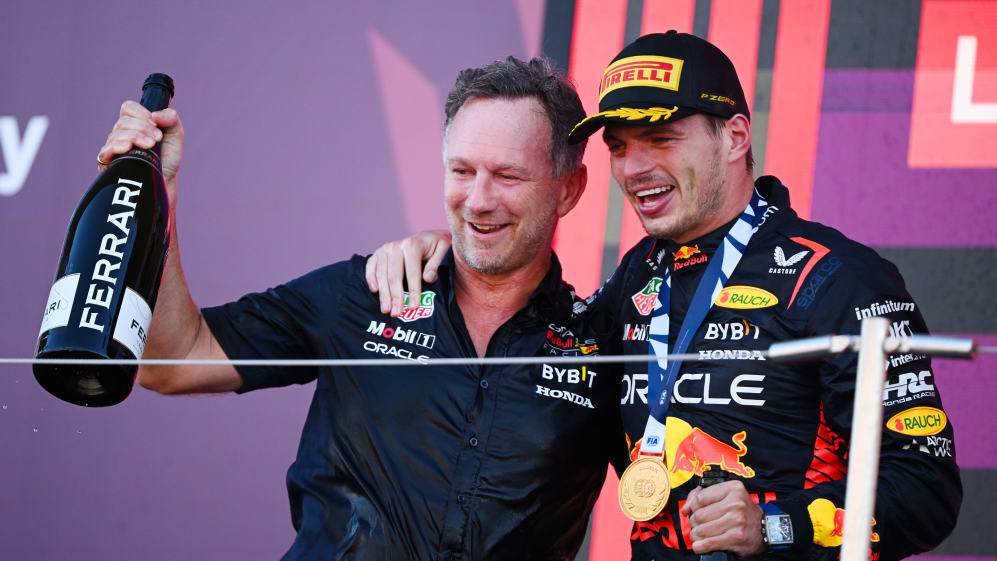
(829, 523)
(698, 450)
(687, 256)
(690, 451)
(685, 252)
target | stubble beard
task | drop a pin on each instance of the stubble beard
(706, 200)
(496, 260)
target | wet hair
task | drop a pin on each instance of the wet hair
(716, 125)
(515, 79)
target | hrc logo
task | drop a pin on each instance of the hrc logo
(654, 71)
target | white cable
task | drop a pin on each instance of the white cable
(357, 361)
(470, 361)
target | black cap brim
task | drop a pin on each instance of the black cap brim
(645, 116)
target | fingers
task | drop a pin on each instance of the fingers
(395, 265)
(396, 273)
(384, 273)
(381, 275)
(370, 273)
(137, 127)
(412, 261)
(723, 517)
(134, 127)
(167, 118)
(433, 263)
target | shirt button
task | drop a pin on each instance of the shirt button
(484, 384)
(473, 442)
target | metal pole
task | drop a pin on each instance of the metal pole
(863, 453)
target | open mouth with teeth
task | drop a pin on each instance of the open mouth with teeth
(486, 228)
(652, 200)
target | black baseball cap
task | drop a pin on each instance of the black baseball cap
(665, 77)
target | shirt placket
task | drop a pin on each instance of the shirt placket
(464, 500)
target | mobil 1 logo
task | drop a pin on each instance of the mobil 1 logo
(401, 335)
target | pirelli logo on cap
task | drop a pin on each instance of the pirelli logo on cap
(654, 71)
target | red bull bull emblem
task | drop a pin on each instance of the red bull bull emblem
(645, 299)
(829, 523)
(685, 252)
(691, 450)
(588, 349)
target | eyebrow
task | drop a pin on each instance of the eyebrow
(649, 130)
(501, 167)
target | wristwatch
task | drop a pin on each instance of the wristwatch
(777, 527)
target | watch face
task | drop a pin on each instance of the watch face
(779, 529)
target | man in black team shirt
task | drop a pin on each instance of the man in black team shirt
(728, 269)
(428, 462)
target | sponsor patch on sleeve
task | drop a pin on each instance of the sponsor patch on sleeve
(829, 523)
(918, 421)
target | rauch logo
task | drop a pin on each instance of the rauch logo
(745, 297)
(918, 421)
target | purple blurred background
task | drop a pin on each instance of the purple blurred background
(312, 133)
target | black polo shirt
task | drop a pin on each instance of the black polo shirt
(432, 462)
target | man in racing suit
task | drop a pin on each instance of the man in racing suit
(427, 462)
(679, 138)
(680, 150)
(779, 428)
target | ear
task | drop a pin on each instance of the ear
(739, 131)
(571, 189)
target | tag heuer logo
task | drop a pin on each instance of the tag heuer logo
(425, 309)
(645, 299)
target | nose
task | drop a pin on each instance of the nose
(481, 195)
(637, 161)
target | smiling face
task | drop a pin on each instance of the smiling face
(674, 176)
(501, 198)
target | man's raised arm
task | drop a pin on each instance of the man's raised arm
(177, 329)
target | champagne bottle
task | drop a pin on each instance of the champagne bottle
(112, 261)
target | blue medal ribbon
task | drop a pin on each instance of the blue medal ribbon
(661, 374)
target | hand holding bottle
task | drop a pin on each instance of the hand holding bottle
(138, 127)
(724, 518)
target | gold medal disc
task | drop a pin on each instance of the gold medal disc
(644, 488)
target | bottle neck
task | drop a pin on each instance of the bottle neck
(156, 95)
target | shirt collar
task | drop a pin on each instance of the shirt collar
(552, 298)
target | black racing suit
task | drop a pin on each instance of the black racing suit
(783, 428)
(432, 462)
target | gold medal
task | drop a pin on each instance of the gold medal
(644, 488)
